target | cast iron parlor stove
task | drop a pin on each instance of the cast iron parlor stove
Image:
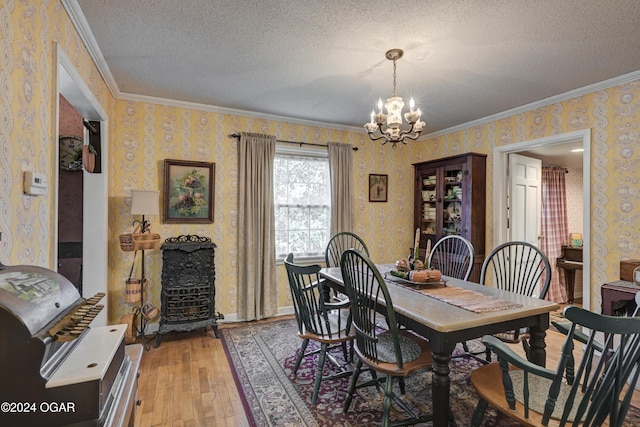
(188, 285)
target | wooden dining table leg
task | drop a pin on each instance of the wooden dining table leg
(537, 347)
(440, 390)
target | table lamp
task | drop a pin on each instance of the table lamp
(145, 202)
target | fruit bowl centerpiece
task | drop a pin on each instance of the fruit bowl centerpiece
(415, 272)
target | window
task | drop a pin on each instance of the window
(302, 193)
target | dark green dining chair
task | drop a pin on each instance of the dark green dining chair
(517, 267)
(453, 256)
(393, 352)
(340, 242)
(596, 391)
(318, 320)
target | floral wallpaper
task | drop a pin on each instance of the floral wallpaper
(29, 33)
(149, 133)
(143, 134)
(575, 200)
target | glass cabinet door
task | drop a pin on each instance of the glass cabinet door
(429, 221)
(452, 196)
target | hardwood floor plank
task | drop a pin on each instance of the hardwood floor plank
(187, 381)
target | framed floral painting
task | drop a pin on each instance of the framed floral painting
(188, 191)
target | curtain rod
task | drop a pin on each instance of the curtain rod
(237, 135)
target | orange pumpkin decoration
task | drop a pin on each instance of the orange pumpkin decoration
(88, 158)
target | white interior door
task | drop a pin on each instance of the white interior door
(525, 199)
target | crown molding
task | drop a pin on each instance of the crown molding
(606, 84)
(212, 108)
(84, 31)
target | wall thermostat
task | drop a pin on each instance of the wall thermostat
(35, 184)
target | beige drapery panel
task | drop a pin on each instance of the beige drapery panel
(257, 287)
(340, 169)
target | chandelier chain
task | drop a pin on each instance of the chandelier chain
(394, 78)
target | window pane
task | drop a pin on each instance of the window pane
(319, 218)
(317, 241)
(282, 248)
(303, 204)
(282, 217)
(299, 241)
(298, 218)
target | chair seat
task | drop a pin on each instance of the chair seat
(416, 354)
(487, 380)
(339, 333)
(512, 337)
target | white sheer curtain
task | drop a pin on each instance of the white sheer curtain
(257, 287)
(340, 169)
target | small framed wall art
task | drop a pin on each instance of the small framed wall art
(378, 187)
(188, 191)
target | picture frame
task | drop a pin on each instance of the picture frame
(378, 187)
(189, 191)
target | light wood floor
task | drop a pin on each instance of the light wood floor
(187, 381)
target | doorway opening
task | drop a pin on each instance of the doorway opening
(500, 192)
(72, 87)
(70, 192)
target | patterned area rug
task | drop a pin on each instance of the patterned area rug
(263, 355)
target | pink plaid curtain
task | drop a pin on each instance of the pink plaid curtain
(555, 228)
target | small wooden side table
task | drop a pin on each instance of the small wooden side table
(620, 290)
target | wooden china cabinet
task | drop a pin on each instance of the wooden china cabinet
(450, 198)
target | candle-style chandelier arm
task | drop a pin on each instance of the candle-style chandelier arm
(381, 136)
(404, 134)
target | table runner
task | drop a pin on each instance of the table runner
(464, 298)
(469, 300)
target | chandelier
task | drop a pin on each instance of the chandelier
(394, 131)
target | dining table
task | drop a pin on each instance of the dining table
(452, 311)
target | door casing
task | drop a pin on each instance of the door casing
(500, 162)
(95, 225)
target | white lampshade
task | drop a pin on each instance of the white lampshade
(145, 202)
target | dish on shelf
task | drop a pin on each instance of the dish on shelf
(459, 176)
(429, 213)
(428, 195)
(454, 209)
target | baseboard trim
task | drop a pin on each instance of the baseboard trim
(230, 318)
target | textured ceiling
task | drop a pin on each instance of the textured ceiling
(324, 61)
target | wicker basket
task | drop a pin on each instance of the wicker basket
(139, 241)
(132, 291)
(145, 241)
(126, 242)
(129, 319)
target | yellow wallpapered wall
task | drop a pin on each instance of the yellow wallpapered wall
(143, 134)
(29, 31)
